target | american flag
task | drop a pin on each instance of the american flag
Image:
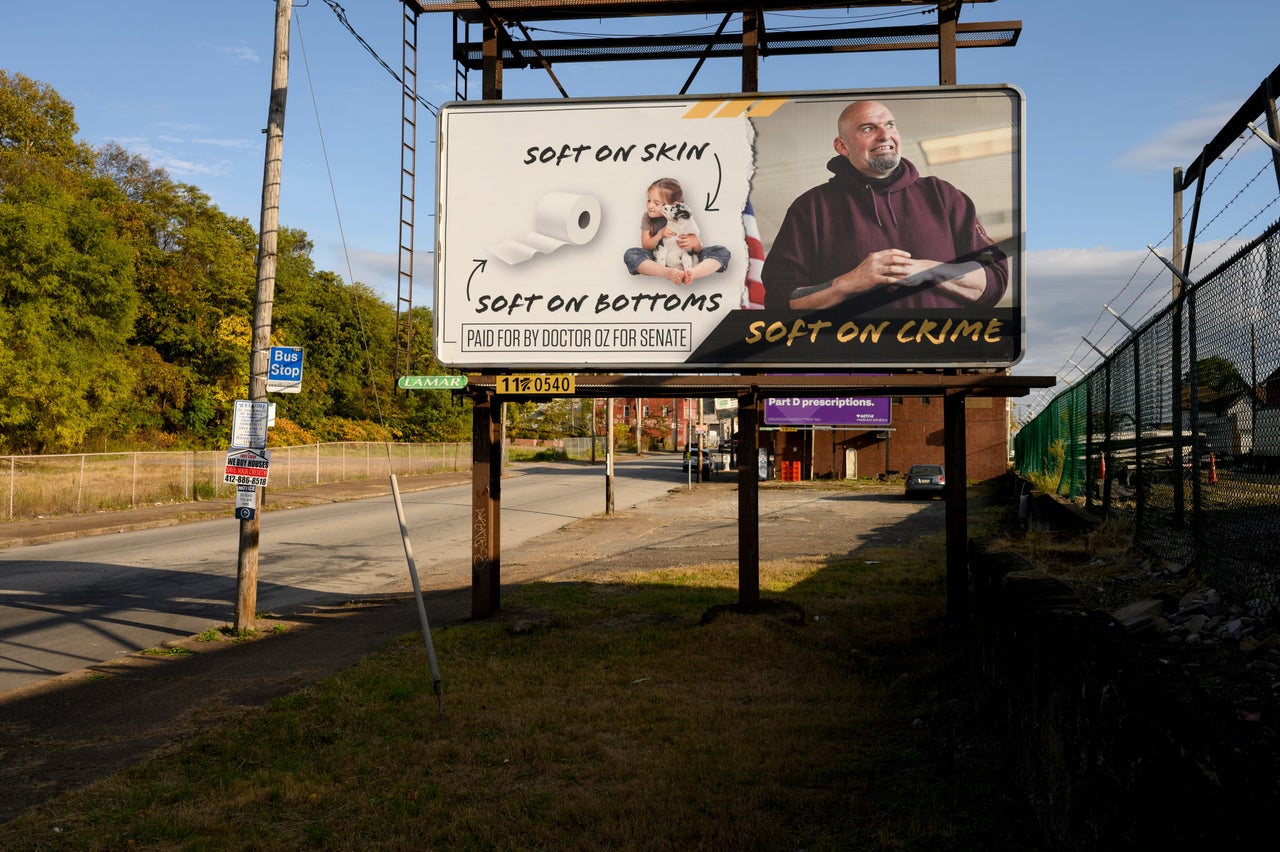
(753, 298)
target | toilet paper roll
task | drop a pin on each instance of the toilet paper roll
(561, 218)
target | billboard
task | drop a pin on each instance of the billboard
(869, 411)
(878, 228)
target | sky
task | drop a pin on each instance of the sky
(1116, 94)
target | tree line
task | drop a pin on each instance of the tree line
(126, 301)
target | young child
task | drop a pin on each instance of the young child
(654, 228)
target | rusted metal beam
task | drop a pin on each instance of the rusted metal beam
(540, 10)
(1261, 102)
(706, 386)
(730, 46)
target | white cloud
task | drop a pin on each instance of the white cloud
(241, 52)
(240, 144)
(377, 269)
(380, 271)
(173, 151)
(1179, 143)
(1067, 290)
(177, 127)
(180, 167)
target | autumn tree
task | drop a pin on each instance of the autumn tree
(1216, 373)
(126, 301)
(67, 297)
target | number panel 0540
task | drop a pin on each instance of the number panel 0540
(549, 384)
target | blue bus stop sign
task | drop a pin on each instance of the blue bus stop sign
(284, 369)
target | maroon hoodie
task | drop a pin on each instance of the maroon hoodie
(832, 227)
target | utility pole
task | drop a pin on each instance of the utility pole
(608, 457)
(247, 563)
(696, 460)
(593, 430)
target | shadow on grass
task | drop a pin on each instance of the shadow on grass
(602, 708)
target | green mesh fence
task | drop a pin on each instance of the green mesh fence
(1177, 433)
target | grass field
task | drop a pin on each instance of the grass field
(614, 713)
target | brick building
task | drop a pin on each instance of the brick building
(915, 436)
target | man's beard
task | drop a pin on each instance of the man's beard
(884, 164)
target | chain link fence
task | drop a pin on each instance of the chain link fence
(1177, 433)
(97, 482)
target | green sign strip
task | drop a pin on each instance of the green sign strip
(431, 382)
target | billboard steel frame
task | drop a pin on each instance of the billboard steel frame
(497, 50)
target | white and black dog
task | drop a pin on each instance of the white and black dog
(668, 253)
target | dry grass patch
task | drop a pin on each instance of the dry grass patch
(1102, 567)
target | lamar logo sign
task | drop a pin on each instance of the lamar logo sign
(431, 382)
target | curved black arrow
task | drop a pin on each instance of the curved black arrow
(711, 199)
(480, 265)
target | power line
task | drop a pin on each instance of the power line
(342, 18)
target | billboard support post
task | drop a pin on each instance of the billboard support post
(957, 523)
(486, 503)
(748, 502)
(948, 18)
(491, 73)
(752, 23)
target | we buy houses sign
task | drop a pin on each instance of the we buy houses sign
(247, 467)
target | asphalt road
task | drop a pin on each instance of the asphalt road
(65, 605)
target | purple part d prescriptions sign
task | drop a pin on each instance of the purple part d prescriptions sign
(833, 411)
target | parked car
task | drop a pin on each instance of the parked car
(707, 465)
(926, 479)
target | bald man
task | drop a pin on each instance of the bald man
(877, 234)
